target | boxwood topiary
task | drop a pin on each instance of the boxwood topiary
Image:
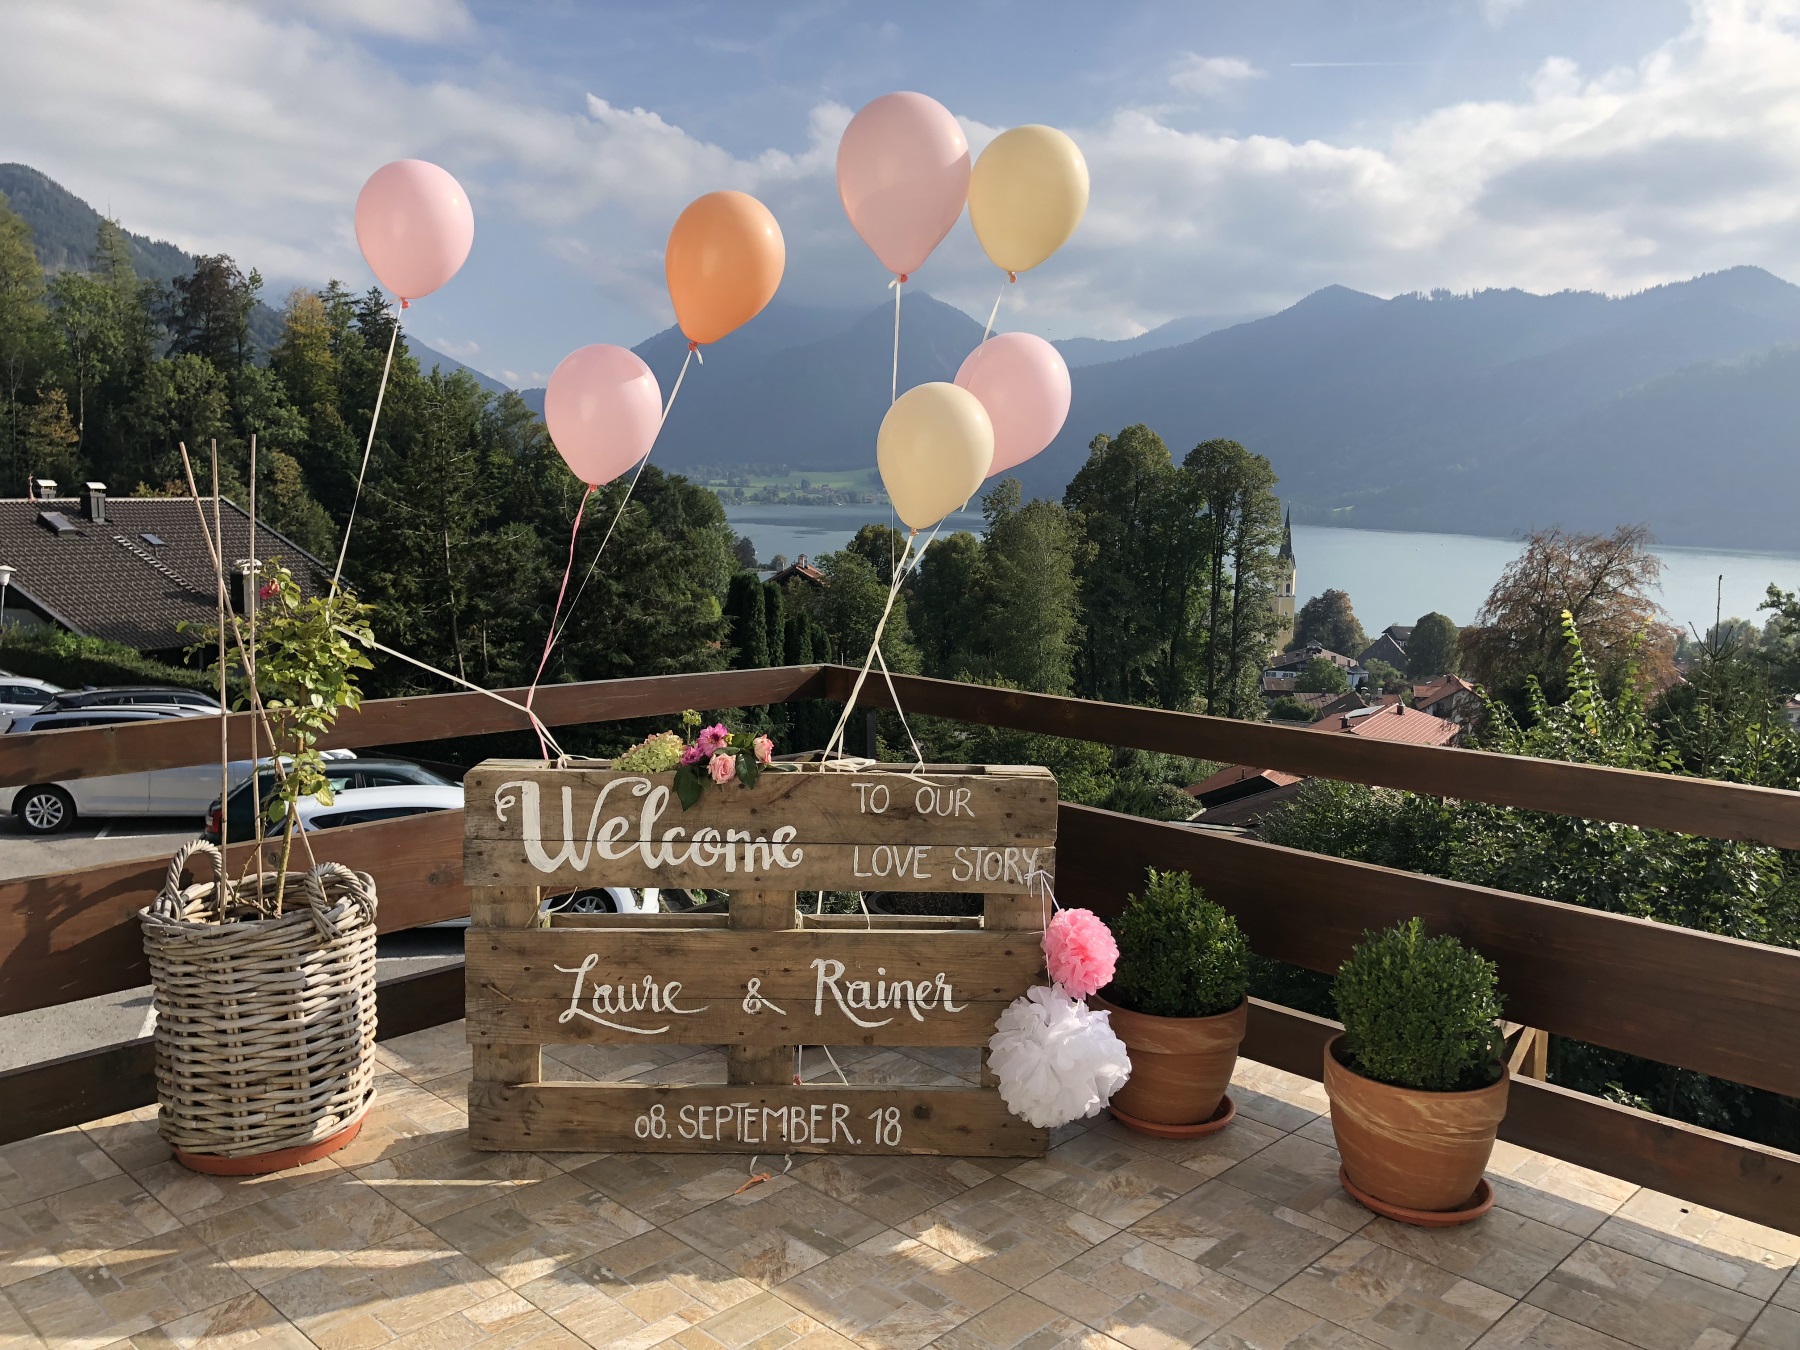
(1420, 1012)
(1180, 955)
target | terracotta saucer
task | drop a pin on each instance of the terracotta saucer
(1220, 1119)
(1471, 1209)
(256, 1164)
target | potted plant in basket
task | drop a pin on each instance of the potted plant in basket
(265, 986)
(1418, 1079)
(1178, 1001)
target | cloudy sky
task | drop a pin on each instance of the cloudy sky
(1241, 155)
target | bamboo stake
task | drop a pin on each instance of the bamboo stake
(250, 598)
(224, 720)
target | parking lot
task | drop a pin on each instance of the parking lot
(89, 843)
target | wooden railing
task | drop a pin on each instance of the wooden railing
(1710, 1004)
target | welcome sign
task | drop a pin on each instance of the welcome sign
(768, 978)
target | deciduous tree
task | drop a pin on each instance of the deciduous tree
(1328, 620)
(1432, 649)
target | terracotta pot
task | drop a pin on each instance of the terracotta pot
(1180, 1066)
(1412, 1149)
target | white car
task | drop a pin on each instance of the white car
(360, 806)
(20, 695)
(45, 808)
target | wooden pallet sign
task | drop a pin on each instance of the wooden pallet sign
(774, 978)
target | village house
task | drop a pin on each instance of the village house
(1390, 647)
(1450, 698)
(130, 570)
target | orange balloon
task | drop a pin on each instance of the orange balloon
(724, 261)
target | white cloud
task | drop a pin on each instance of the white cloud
(1211, 76)
(248, 130)
(417, 20)
(464, 351)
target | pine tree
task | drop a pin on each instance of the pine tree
(747, 612)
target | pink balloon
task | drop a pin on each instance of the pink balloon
(414, 226)
(1023, 383)
(603, 408)
(903, 176)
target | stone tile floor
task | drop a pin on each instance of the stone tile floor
(1243, 1241)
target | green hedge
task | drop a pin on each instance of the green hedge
(62, 658)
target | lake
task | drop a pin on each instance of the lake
(1391, 576)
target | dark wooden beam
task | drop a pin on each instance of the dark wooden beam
(1749, 1180)
(1712, 1004)
(38, 1098)
(74, 935)
(90, 752)
(1658, 801)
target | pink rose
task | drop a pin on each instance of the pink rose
(713, 739)
(765, 750)
(268, 590)
(692, 755)
(722, 768)
(1079, 952)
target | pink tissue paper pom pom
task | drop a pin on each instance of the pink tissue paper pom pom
(765, 750)
(713, 739)
(1079, 952)
(692, 755)
(722, 768)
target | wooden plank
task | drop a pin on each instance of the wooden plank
(750, 1059)
(1012, 914)
(93, 1084)
(801, 986)
(1712, 1004)
(602, 1117)
(495, 913)
(936, 806)
(677, 919)
(74, 934)
(1658, 801)
(88, 752)
(1737, 1176)
(969, 868)
(946, 923)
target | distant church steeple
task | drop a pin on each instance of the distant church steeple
(1290, 584)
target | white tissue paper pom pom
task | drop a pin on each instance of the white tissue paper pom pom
(1055, 1059)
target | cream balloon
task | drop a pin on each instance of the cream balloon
(934, 449)
(1027, 194)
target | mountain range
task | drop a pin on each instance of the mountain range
(63, 228)
(1488, 413)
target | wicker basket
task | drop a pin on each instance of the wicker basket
(265, 1026)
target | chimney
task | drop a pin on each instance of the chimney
(239, 583)
(93, 502)
(46, 488)
(1344, 722)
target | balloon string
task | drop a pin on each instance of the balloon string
(375, 418)
(835, 744)
(561, 591)
(994, 313)
(897, 284)
(556, 633)
(537, 722)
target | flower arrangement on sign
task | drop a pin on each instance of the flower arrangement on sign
(717, 756)
(1054, 1058)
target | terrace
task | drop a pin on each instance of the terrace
(1613, 1228)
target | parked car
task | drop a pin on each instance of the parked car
(20, 694)
(362, 806)
(132, 696)
(45, 808)
(353, 775)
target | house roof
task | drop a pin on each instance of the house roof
(1387, 648)
(136, 576)
(1428, 692)
(1240, 776)
(1400, 632)
(1296, 659)
(801, 569)
(1395, 723)
(1249, 811)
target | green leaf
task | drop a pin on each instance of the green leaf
(688, 786)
